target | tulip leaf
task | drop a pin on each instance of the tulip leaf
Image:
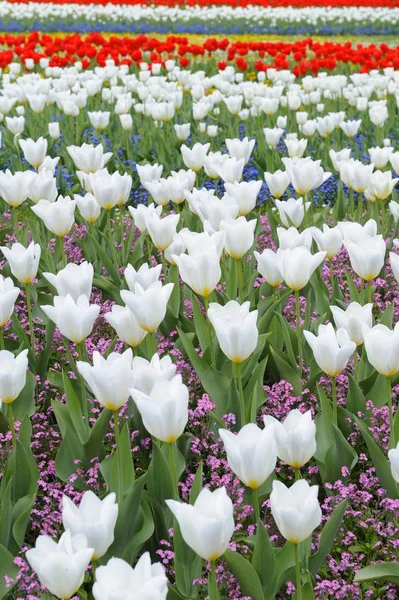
(246, 575)
(378, 392)
(121, 472)
(380, 462)
(22, 465)
(111, 290)
(355, 401)
(339, 454)
(70, 450)
(286, 371)
(285, 562)
(263, 559)
(328, 534)
(106, 261)
(215, 383)
(174, 300)
(7, 569)
(196, 486)
(291, 346)
(266, 318)
(6, 512)
(353, 291)
(159, 482)
(187, 563)
(321, 300)
(25, 403)
(386, 317)
(75, 409)
(20, 516)
(142, 535)
(201, 326)
(173, 593)
(44, 356)
(384, 571)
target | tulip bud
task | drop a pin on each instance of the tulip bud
(382, 348)
(148, 306)
(60, 567)
(297, 265)
(235, 328)
(251, 454)
(332, 349)
(24, 262)
(268, 268)
(295, 437)
(208, 524)
(296, 510)
(393, 456)
(34, 152)
(94, 518)
(352, 319)
(367, 256)
(117, 577)
(74, 280)
(126, 326)
(109, 378)
(12, 375)
(8, 295)
(165, 409)
(88, 207)
(75, 320)
(54, 130)
(58, 216)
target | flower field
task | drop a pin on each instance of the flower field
(199, 306)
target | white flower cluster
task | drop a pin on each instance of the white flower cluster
(211, 16)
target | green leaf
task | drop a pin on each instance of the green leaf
(7, 569)
(160, 482)
(215, 383)
(355, 401)
(380, 462)
(6, 513)
(263, 559)
(246, 575)
(286, 371)
(21, 515)
(201, 326)
(328, 534)
(106, 261)
(187, 563)
(197, 484)
(75, 409)
(385, 571)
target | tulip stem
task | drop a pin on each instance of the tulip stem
(212, 583)
(64, 260)
(15, 222)
(164, 270)
(355, 364)
(369, 292)
(334, 399)
(118, 457)
(299, 331)
(255, 500)
(241, 390)
(149, 249)
(81, 347)
(206, 306)
(240, 282)
(173, 467)
(12, 425)
(298, 594)
(29, 308)
(1, 338)
(297, 474)
(152, 346)
(332, 278)
(390, 409)
(122, 232)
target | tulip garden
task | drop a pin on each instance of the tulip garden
(199, 305)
